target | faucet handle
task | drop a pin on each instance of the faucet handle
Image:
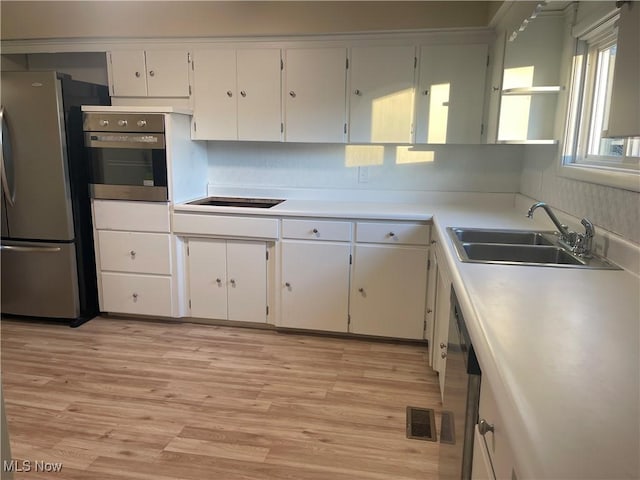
(589, 229)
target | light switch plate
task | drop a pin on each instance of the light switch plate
(363, 174)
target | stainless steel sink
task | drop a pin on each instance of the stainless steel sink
(519, 247)
(237, 202)
(520, 254)
(518, 237)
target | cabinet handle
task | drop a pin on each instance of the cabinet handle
(135, 297)
(132, 253)
(137, 74)
(243, 93)
(292, 94)
(496, 89)
(229, 93)
(218, 281)
(361, 290)
(426, 92)
(429, 310)
(357, 92)
(315, 230)
(433, 242)
(152, 73)
(232, 282)
(485, 427)
(443, 345)
(443, 355)
(392, 234)
(287, 284)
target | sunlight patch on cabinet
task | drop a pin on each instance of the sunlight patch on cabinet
(514, 110)
(438, 113)
(391, 116)
(363, 155)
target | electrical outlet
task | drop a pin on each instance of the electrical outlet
(363, 174)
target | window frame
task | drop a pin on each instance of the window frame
(575, 162)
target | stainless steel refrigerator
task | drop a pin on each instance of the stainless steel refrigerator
(47, 254)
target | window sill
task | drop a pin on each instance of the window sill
(602, 176)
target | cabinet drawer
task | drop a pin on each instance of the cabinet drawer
(316, 230)
(137, 294)
(394, 233)
(225, 226)
(136, 216)
(135, 252)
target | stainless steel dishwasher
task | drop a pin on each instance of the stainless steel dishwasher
(461, 400)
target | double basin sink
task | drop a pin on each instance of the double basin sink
(519, 247)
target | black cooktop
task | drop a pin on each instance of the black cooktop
(237, 202)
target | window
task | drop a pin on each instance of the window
(597, 158)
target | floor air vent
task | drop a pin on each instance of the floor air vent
(421, 424)
(447, 429)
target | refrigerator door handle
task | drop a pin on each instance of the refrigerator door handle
(30, 249)
(9, 195)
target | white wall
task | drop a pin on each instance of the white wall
(477, 168)
(611, 208)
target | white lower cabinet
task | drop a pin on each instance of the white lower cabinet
(441, 315)
(227, 279)
(134, 258)
(388, 291)
(315, 285)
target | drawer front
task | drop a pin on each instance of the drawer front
(225, 226)
(392, 233)
(137, 294)
(135, 252)
(316, 230)
(136, 216)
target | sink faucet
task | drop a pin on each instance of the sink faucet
(579, 243)
(563, 229)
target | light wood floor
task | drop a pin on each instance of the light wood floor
(132, 399)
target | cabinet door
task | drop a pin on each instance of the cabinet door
(314, 88)
(128, 73)
(315, 290)
(451, 93)
(167, 73)
(214, 94)
(429, 333)
(259, 91)
(247, 281)
(207, 278)
(381, 94)
(388, 291)
(441, 327)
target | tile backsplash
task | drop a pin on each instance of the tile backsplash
(611, 208)
(472, 168)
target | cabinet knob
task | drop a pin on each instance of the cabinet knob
(361, 290)
(357, 92)
(292, 94)
(132, 253)
(137, 74)
(232, 282)
(425, 92)
(243, 93)
(496, 89)
(443, 355)
(315, 230)
(104, 123)
(229, 93)
(122, 123)
(135, 297)
(392, 234)
(218, 281)
(443, 345)
(433, 242)
(484, 427)
(287, 284)
(141, 123)
(429, 310)
(152, 73)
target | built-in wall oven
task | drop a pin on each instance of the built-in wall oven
(127, 155)
(461, 400)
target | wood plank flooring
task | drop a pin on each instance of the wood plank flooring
(130, 399)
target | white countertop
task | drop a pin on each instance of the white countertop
(560, 347)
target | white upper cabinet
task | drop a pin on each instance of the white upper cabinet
(451, 93)
(314, 90)
(381, 94)
(237, 94)
(624, 115)
(150, 73)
